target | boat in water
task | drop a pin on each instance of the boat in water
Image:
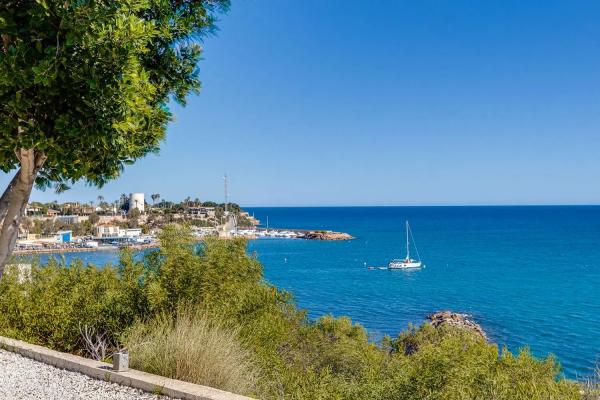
(407, 263)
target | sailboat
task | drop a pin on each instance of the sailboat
(407, 262)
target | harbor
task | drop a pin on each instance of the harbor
(63, 243)
(83, 249)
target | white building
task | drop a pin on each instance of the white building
(131, 232)
(202, 212)
(112, 231)
(71, 219)
(107, 231)
(31, 210)
(136, 200)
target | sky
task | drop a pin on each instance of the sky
(386, 103)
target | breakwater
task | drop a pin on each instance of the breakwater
(308, 234)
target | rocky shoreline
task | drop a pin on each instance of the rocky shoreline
(327, 235)
(456, 320)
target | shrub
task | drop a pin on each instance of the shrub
(453, 363)
(50, 308)
(194, 348)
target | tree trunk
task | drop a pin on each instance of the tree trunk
(14, 201)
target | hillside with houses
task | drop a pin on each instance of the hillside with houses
(129, 220)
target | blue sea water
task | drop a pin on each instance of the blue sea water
(529, 275)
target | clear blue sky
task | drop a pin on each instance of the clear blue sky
(387, 102)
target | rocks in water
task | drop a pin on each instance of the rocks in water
(327, 235)
(456, 320)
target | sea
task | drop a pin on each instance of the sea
(529, 275)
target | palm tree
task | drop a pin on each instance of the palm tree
(155, 197)
(101, 202)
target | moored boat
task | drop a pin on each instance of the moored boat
(407, 262)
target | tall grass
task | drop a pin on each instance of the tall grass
(193, 348)
(591, 386)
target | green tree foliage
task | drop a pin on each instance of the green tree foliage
(139, 302)
(49, 227)
(84, 88)
(51, 308)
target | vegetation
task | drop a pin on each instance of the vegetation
(85, 87)
(189, 306)
(50, 227)
(194, 348)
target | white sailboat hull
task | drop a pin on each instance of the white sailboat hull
(404, 264)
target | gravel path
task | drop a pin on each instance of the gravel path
(22, 378)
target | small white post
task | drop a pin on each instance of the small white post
(121, 361)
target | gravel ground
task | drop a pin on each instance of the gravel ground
(22, 378)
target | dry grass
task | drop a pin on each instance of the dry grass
(192, 348)
(591, 387)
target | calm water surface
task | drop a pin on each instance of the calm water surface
(528, 275)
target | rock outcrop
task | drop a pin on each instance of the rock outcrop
(327, 235)
(457, 320)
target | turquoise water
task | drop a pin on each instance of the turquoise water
(528, 275)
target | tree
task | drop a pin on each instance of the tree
(94, 218)
(155, 197)
(84, 89)
(123, 202)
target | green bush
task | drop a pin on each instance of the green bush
(451, 363)
(51, 308)
(137, 302)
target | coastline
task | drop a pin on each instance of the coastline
(306, 235)
(469, 269)
(83, 249)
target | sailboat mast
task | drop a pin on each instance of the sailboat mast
(407, 244)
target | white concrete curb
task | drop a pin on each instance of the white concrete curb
(103, 371)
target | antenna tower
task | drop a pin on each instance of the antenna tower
(226, 194)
